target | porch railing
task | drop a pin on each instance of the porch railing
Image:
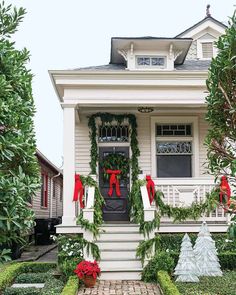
(183, 192)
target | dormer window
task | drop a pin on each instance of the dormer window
(151, 61)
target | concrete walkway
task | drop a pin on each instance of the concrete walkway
(121, 288)
(50, 256)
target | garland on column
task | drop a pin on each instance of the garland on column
(108, 118)
(98, 204)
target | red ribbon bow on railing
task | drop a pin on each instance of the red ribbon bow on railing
(225, 190)
(78, 191)
(114, 181)
(150, 188)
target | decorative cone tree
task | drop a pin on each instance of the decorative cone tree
(19, 173)
(206, 254)
(186, 269)
(221, 112)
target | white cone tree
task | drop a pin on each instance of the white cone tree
(186, 269)
(206, 254)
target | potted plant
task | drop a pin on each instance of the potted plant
(88, 272)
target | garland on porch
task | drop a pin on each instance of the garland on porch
(108, 118)
(178, 214)
(98, 204)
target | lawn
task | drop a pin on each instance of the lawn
(225, 285)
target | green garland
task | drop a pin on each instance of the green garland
(179, 214)
(108, 118)
(115, 162)
(98, 204)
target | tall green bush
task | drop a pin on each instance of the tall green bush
(221, 110)
(19, 173)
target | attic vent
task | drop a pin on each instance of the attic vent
(207, 50)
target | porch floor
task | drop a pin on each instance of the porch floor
(121, 288)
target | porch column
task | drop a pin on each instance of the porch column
(68, 217)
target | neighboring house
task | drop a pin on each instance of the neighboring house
(48, 202)
(162, 82)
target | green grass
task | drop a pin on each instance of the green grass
(225, 285)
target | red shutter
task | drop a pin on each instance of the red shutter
(46, 192)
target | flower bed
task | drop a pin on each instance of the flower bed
(225, 285)
(33, 272)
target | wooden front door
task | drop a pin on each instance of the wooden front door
(115, 208)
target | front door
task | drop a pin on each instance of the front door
(115, 208)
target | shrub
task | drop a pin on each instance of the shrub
(52, 287)
(71, 287)
(172, 242)
(161, 261)
(68, 266)
(166, 284)
(37, 266)
(32, 278)
(22, 291)
(8, 275)
(227, 260)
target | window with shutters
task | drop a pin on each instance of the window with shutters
(207, 50)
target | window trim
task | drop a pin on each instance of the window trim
(194, 138)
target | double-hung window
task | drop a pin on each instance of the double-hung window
(174, 149)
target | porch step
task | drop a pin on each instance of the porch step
(120, 264)
(118, 246)
(120, 236)
(122, 254)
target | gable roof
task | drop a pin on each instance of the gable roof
(201, 22)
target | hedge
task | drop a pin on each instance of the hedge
(8, 275)
(227, 259)
(31, 278)
(167, 286)
(71, 287)
(173, 241)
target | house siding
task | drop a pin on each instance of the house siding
(82, 143)
(41, 212)
(82, 146)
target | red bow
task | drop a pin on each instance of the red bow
(225, 190)
(114, 181)
(78, 191)
(150, 188)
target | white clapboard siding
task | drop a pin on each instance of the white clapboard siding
(82, 143)
(82, 146)
(203, 128)
(144, 139)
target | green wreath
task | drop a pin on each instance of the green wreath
(115, 162)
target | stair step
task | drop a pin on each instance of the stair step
(121, 274)
(120, 228)
(118, 264)
(117, 245)
(122, 254)
(120, 236)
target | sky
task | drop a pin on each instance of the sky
(69, 34)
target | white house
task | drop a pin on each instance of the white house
(161, 81)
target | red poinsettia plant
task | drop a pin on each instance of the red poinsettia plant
(87, 268)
